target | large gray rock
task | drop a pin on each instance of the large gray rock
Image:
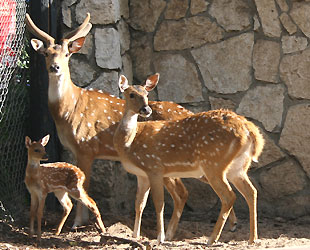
(291, 44)
(66, 15)
(81, 72)
(176, 9)
(179, 80)
(269, 17)
(287, 23)
(108, 53)
(186, 33)
(107, 81)
(226, 66)
(256, 23)
(113, 188)
(124, 8)
(284, 179)
(265, 104)
(294, 206)
(283, 5)
(220, 103)
(231, 15)
(294, 70)
(266, 58)
(101, 11)
(295, 135)
(127, 67)
(198, 6)
(201, 198)
(69, 3)
(124, 36)
(300, 14)
(141, 52)
(144, 14)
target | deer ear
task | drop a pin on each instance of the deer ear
(151, 82)
(37, 45)
(76, 45)
(27, 142)
(44, 140)
(123, 83)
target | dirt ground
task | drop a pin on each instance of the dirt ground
(191, 234)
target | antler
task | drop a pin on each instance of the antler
(81, 31)
(38, 32)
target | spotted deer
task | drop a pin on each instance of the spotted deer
(217, 144)
(63, 179)
(86, 119)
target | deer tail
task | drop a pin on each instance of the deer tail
(258, 140)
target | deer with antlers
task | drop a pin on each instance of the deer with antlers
(218, 144)
(61, 178)
(86, 119)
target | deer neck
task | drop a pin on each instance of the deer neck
(62, 94)
(126, 130)
(60, 85)
(32, 165)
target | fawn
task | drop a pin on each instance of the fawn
(63, 179)
(218, 144)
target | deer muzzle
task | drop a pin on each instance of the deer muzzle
(54, 68)
(45, 157)
(145, 111)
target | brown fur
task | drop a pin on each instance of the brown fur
(87, 119)
(218, 144)
(61, 178)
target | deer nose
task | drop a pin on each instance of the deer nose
(145, 111)
(45, 157)
(54, 68)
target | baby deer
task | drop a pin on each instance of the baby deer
(217, 144)
(61, 178)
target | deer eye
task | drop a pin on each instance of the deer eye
(37, 150)
(131, 95)
(67, 54)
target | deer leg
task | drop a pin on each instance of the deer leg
(222, 188)
(83, 197)
(179, 195)
(39, 215)
(249, 192)
(143, 189)
(82, 215)
(33, 212)
(232, 218)
(157, 190)
(66, 203)
(233, 221)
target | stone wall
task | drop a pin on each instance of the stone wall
(250, 56)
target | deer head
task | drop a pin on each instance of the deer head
(36, 149)
(138, 94)
(57, 55)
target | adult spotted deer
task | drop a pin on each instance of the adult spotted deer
(86, 119)
(218, 144)
(61, 178)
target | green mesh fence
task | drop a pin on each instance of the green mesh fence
(13, 107)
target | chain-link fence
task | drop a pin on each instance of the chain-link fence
(13, 106)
